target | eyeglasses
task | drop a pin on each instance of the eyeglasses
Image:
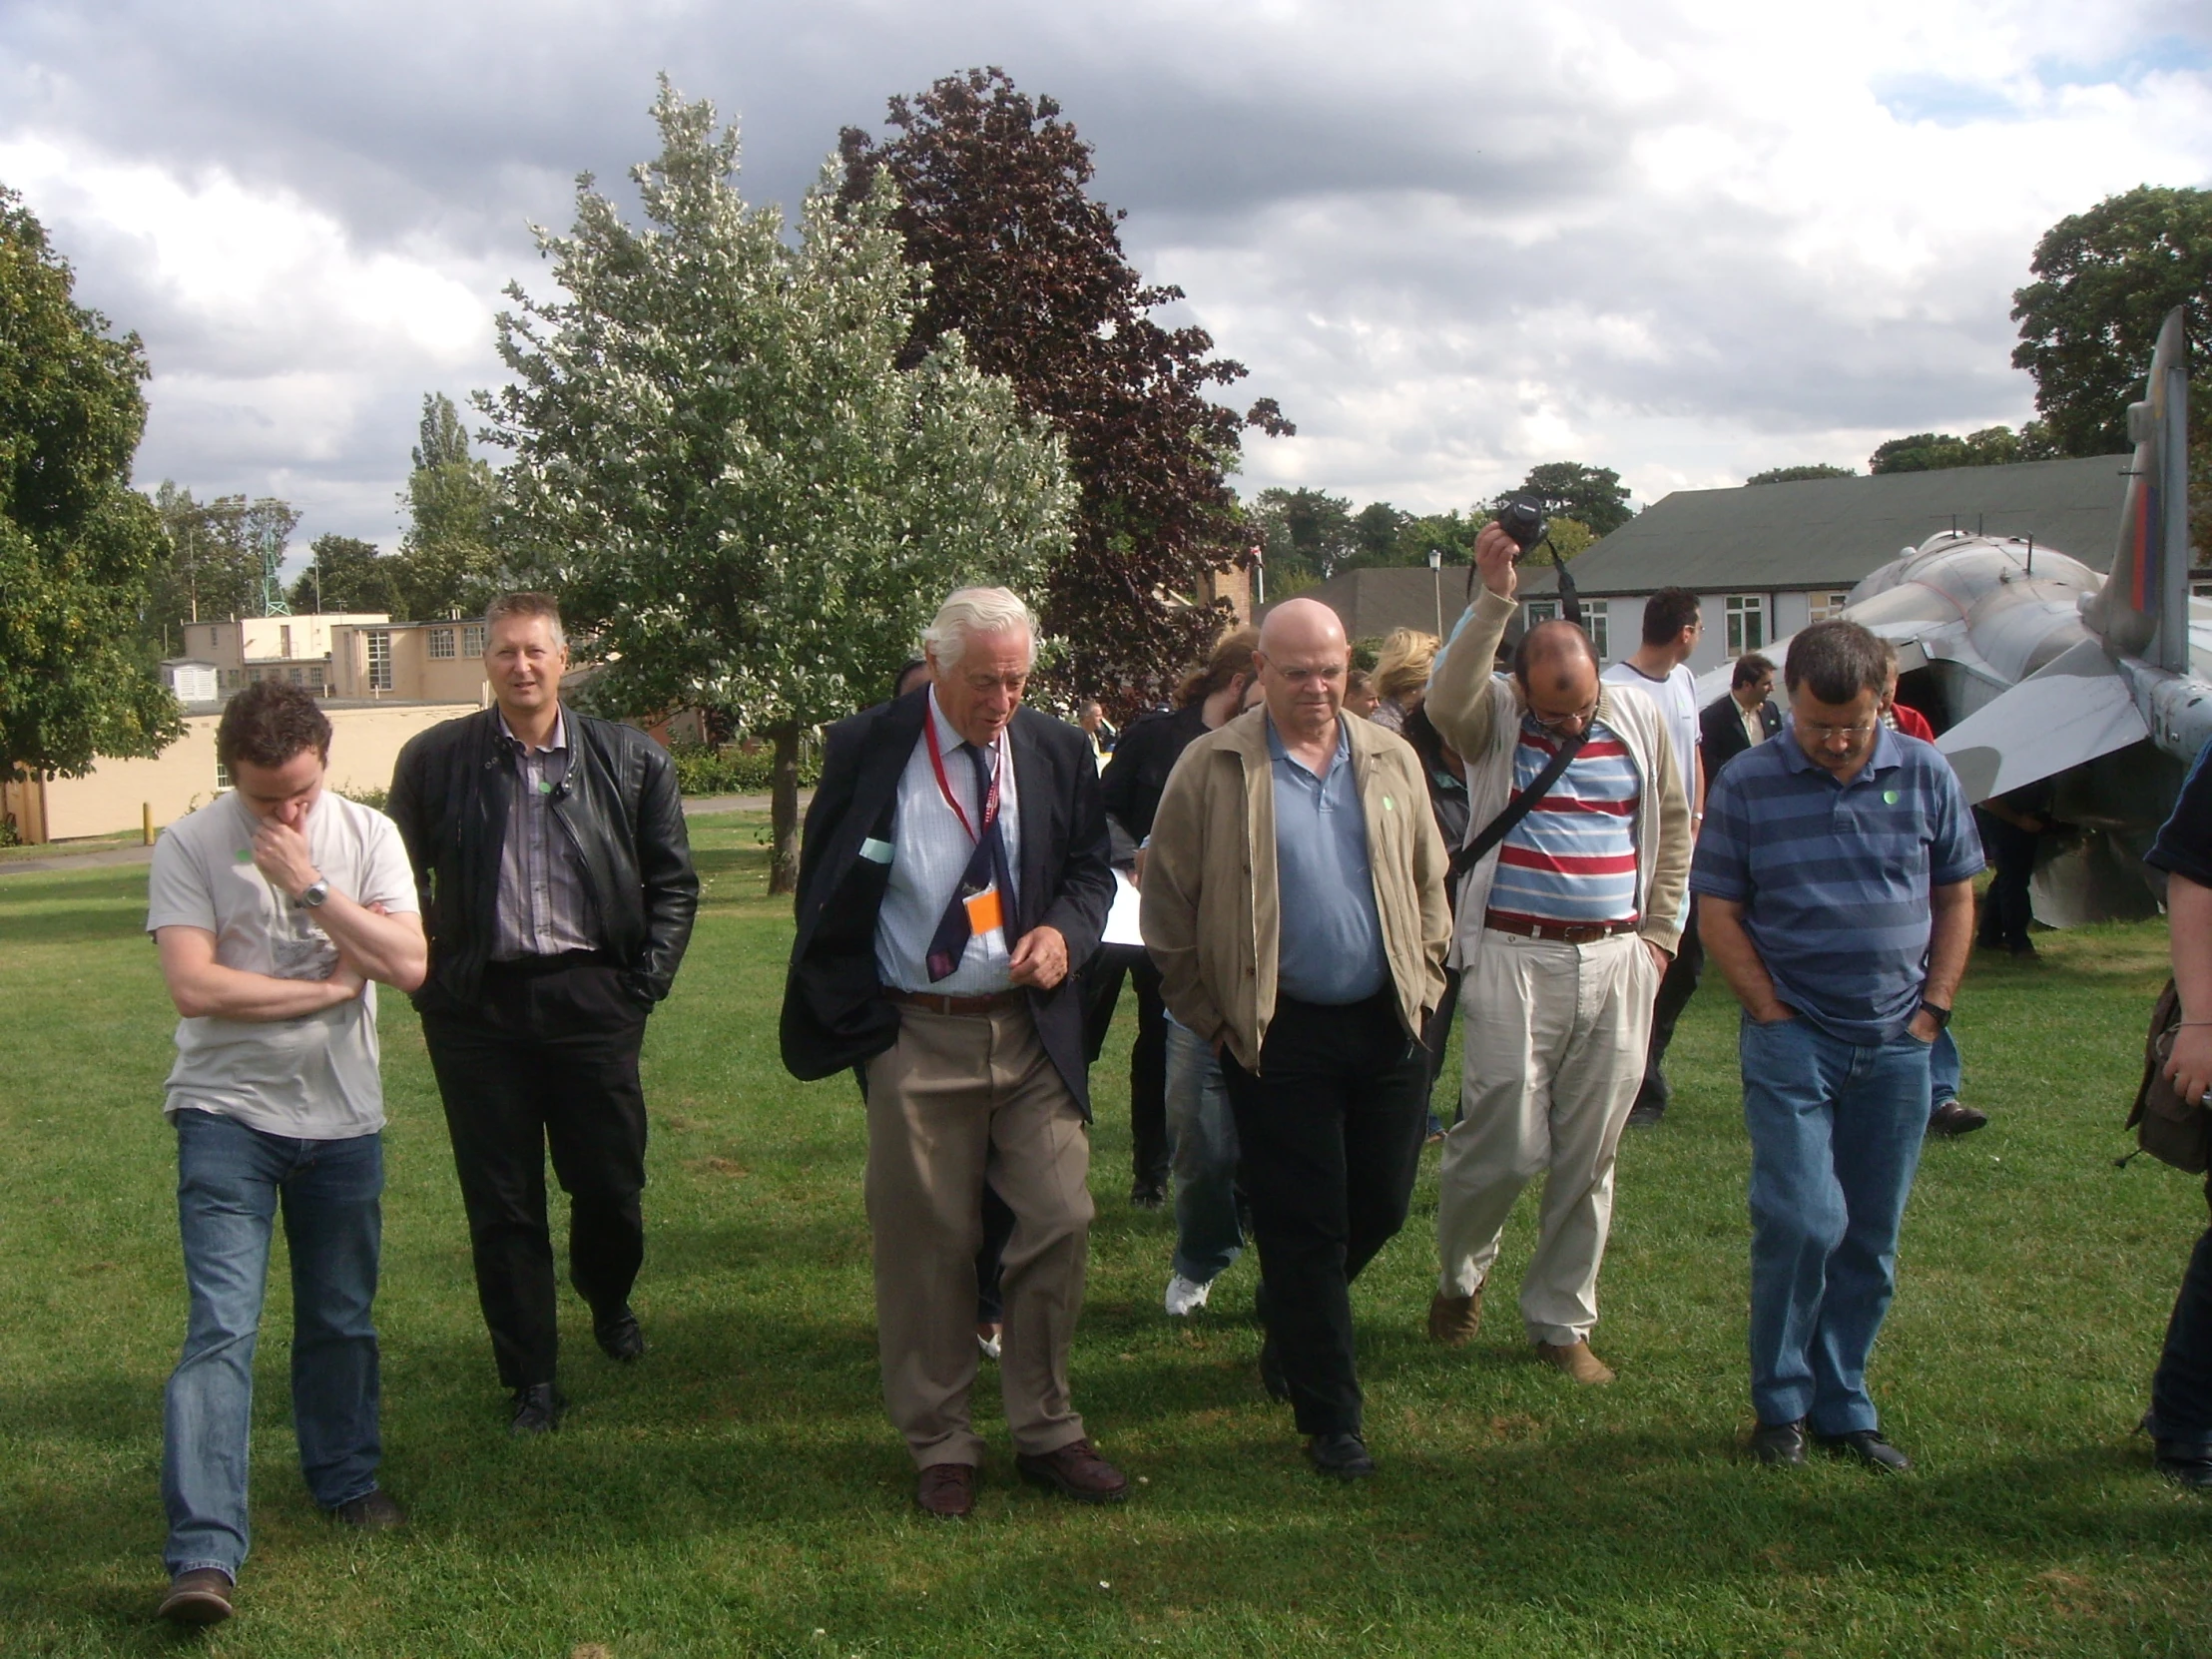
(1569, 724)
(1821, 731)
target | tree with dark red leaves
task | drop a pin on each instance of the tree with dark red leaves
(1029, 269)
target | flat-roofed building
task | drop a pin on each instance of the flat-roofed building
(295, 649)
(435, 662)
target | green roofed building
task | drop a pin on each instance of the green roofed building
(1766, 559)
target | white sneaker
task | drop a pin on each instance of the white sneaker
(989, 1345)
(1187, 1293)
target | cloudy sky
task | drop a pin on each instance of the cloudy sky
(1686, 241)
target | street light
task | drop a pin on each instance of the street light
(1437, 572)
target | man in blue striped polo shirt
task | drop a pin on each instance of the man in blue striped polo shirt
(1835, 886)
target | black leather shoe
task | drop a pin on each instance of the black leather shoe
(1779, 1445)
(1950, 1120)
(377, 1511)
(1341, 1456)
(1867, 1446)
(1270, 1370)
(2186, 1462)
(619, 1338)
(1147, 1195)
(538, 1409)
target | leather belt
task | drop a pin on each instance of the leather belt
(1558, 932)
(957, 1004)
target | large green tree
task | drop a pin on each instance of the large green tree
(1029, 271)
(345, 574)
(2104, 281)
(1593, 496)
(1800, 474)
(743, 500)
(1940, 452)
(78, 680)
(1306, 536)
(221, 557)
(450, 561)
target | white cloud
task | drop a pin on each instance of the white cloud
(1687, 239)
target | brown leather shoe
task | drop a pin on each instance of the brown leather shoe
(946, 1489)
(1077, 1471)
(1453, 1319)
(1576, 1359)
(201, 1596)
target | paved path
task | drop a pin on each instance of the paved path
(696, 807)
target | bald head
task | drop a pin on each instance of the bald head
(1301, 661)
(1557, 669)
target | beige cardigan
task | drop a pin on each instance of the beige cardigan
(1478, 712)
(1211, 912)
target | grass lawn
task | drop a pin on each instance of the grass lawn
(741, 1492)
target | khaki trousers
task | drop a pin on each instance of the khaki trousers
(1555, 1036)
(959, 1096)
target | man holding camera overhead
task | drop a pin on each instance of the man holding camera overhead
(1567, 923)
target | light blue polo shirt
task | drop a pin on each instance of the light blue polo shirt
(1834, 878)
(1330, 946)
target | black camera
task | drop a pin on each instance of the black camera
(1522, 518)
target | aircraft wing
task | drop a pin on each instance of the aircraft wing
(2073, 709)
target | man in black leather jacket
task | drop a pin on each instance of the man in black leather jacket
(558, 893)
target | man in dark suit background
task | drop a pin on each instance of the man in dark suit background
(1725, 726)
(955, 872)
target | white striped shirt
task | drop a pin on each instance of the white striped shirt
(929, 851)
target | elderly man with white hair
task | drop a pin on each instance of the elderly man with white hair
(955, 873)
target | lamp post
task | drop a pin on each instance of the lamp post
(1436, 573)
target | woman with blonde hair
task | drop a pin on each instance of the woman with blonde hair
(1402, 676)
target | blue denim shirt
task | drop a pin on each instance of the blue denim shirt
(1330, 946)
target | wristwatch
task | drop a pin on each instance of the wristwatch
(318, 890)
(1937, 1013)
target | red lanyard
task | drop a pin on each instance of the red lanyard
(937, 764)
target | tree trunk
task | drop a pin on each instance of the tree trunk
(782, 859)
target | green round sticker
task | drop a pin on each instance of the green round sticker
(1890, 797)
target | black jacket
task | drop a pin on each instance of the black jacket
(620, 808)
(834, 1013)
(1138, 773)
(1721, 737)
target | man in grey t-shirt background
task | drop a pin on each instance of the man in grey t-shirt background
(1659, 667)
(273, 909)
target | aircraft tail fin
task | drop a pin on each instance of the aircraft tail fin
(2143, 609)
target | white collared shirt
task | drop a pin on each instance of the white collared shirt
(929, 853)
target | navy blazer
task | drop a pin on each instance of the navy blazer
(834, 1012)
(1721, 735)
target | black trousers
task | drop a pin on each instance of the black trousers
(547, 1060)
(1148, 1055)
(1435, 1036)
(2009, 907)
(1676, 989)
(2181, 1390)
(1328, 1138)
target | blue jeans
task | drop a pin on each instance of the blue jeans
(1836, 1130)
(230, 1180)
(1943, 1070)
(1203, 1133)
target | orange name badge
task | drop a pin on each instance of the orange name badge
(983, 911)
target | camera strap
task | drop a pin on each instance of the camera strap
(1520, 805)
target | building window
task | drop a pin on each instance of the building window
(1825, 606)
(297, 676)
(441, 642)
(221, 775)
(378, 641)
(315, 677)
(1594, 619)
(1542, 610)
(472, 640)
(230, 679)
(284, 641)
(1747, 623)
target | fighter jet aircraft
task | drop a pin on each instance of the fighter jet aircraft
(2032, 667)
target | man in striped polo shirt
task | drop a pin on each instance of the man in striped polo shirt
(1564, 932)
(1835, 882)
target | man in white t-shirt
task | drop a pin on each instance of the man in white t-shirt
(273, 909)
(1659, 667)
